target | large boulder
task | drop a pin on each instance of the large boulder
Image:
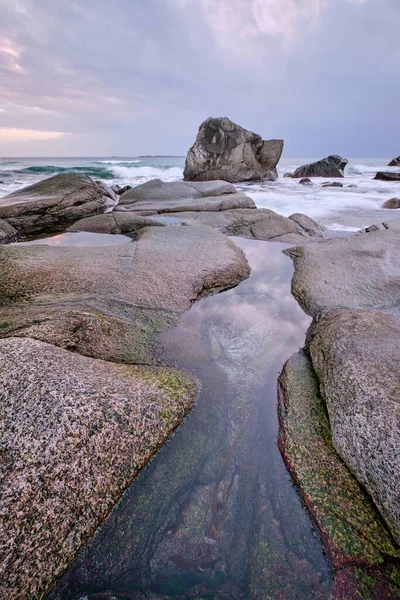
(331, 166)
(74, 433)
(158, 196)
(224, 150)
(112, 302)
(259, 224)
(53, 204)
(395, 162)
(382, 176)
(358, 271)
(356, 355)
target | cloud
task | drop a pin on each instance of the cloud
(11, 135)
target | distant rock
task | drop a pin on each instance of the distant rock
(53, 204)
(336, 184)
(158, 196)
(224, 150)
(288, 175)
(7, 231)
(75, 431)
(306, 181)
(331, 166)
(392, 203)
(382, 176)
(356, 357)
(395, 162)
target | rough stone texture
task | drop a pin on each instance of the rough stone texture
(208, 203)
(392, 203)
(112, 302)
(387, 176)
(395, 162)
(156, 189)
(224, 150)
(74, 432)
(7, 231)
(358, 545)
(359, 271)
(115, 222)
(356, 355)
(51, 205)
(331, 166)
(260, 224)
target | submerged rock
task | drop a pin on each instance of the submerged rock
(387, 176)
(306, 181)
(392, 203)
(224, 150)
(395, 162)
(356, 541)
(112, 302)
(75, 431)
(259, 224)
(336, 184)
(356, 355)
(331, 166)
(53, 204)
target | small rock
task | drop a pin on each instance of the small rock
(336, 184)
(392, 203)
(288, 175)
(395, 162)
(381, 176)
(306, 181)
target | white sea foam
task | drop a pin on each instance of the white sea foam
(132, 174)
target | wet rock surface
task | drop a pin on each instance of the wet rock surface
(115, 223)
(331, 166)
(74, 432)
(358, 545)
(227, 151)
(112, 302)
(382, 176)
(51, 205)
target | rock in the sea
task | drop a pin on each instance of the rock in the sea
(395, 162)
(306, 181)
(115, 223)
(354, 272)
(112, 302)
(224, 150)
(288, 175)
(354, 536)
(7, 231)
(392, 203)
(53, 204)
(331, 166)
(157, 196)
(74, 433)
(356, 355)
(332, 184)
(259, 224)
(382, 176)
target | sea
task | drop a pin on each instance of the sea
(360, 195)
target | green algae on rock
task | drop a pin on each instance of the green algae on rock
(356, 540)
(74, 433)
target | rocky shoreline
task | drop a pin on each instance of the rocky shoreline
(86, 402)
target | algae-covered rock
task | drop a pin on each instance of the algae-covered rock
(74, 433)
(359, 546)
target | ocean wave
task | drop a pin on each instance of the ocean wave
(91, 171)
(122, 163)
(147, 172)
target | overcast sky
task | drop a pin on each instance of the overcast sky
(128, 77)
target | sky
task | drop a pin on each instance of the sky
(130, 77)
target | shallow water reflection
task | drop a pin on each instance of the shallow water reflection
(215, 515)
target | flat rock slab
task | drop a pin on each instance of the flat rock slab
(358, 271)
(357, 543)
(74, 432)
(208, 203)
(260, 224)
(356, 355)
(51, 205)
(115, 223)
(156, 189)
(112, 302)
